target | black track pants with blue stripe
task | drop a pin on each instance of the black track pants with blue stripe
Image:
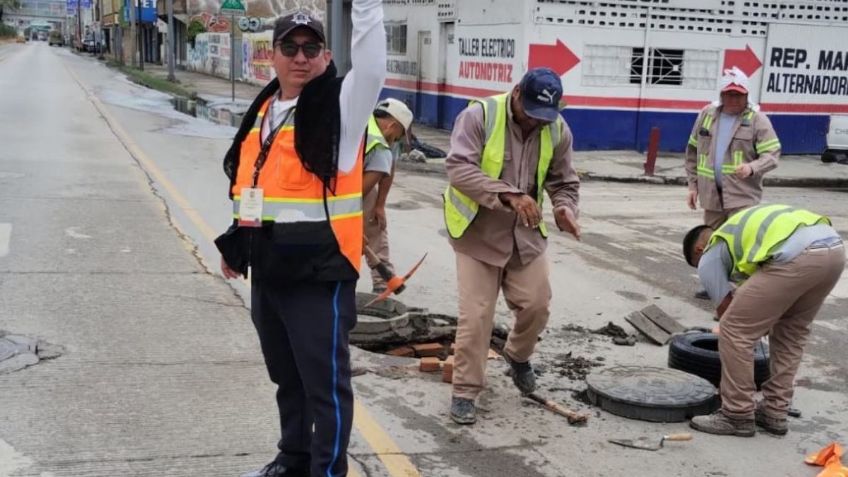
(303, 329)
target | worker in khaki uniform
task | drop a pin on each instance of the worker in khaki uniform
(787, 260)
(388, 125)
(506, 151)
(731, 147)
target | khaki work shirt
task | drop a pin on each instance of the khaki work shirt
(495, 234)
(735, 193)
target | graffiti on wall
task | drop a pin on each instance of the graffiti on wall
(213, 23)
(211, 54)
(257, 63)
(260, 8)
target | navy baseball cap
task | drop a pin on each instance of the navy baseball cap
(541, 90)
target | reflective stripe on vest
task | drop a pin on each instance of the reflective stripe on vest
(292, 194)
(460, 210)
(705, 166)
(752, 233)
(306, 210)
(375, 136)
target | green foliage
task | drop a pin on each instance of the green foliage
(194, 28)
(151, 81)
(6, 31)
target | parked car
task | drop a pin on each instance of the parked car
(42, 36)
(837, 140)
(88, 44)
(56, 38)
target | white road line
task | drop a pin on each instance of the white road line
(5, 237)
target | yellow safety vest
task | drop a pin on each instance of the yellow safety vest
(460, 210)
(375, 136)
(752, 233)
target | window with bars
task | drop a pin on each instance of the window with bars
(396, 39)
(608, 65)
(666, 66)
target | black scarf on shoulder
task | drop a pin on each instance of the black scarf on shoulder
(317, 127)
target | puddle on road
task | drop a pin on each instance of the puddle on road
(214, 112)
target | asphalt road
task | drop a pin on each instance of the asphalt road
(110, 200)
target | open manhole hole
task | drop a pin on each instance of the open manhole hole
(651, 394)
(17, 352)
(391, 327)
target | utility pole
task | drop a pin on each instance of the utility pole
(133, 34)
(79, 24)
(140, 38)
(170, 43)
(336, 28)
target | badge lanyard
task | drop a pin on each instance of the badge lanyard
(250, 207)
(266, 146)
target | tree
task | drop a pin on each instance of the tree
(8, 4)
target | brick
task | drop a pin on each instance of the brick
(447, 370)
(405, 351)
(429, 365)
(428, 349)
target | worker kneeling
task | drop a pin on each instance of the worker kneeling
(506, 151)
(787, 261)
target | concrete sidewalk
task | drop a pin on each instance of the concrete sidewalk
(617, 166)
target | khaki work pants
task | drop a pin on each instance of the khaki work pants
(714, 218)
(527, 291)
(781, 300)
(378, 239)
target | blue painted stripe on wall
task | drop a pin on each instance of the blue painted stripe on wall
(610, 129)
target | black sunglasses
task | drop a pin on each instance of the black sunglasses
(310, 49)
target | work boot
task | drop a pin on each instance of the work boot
(718, 423)
(275, 469)
(463, 411)
(770, 424)
(522, 375)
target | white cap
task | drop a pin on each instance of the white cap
(734, 80)
(398, 110)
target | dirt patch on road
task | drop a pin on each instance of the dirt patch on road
(575, 368)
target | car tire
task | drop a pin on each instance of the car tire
(697, 353)
(829, 156)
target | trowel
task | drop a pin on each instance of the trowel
(644, 443)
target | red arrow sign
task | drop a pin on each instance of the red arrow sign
(556, 57)
(746, 60)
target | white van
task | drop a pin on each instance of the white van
(837, 139)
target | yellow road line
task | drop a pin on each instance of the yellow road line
(396, 462)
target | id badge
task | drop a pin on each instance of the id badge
(250, 207)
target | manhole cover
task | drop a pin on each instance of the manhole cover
(18, 352)
(390, 322)
(651, 394)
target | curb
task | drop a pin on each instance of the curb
(805, 182)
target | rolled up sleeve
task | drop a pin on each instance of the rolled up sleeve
(562, 182)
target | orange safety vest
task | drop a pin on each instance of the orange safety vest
(292, 194)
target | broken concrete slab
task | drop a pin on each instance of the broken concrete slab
(662, 319)
(648, 328)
